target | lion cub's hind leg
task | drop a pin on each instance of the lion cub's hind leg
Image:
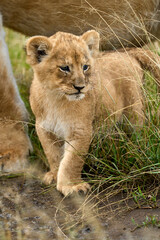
(134, 110)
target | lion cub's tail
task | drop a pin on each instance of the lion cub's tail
(149, 61)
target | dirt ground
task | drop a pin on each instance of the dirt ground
(29, 210)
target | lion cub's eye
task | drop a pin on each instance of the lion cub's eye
(64, 69)
(85, 67)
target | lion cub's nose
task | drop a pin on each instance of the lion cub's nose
(79, 88)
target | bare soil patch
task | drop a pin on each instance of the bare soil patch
(29, 210)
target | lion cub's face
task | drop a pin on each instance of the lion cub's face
(63, 63)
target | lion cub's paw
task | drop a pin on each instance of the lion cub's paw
(69, 189)
(49, 177)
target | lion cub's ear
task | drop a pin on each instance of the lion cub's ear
(37, 48)
(92, 39)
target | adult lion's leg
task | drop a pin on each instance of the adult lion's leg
(14, 142)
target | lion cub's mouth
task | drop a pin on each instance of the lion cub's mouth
(75, 96)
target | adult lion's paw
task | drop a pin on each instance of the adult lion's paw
(49, 177)
(69, 189)
(14, 148)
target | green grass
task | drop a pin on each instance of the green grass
(149, 221)
(114, 158)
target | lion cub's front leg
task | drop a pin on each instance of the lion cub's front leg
(69, 173)
(52, 149)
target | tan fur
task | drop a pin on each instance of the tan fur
(65, 116)
(120, 23)
(14, 142)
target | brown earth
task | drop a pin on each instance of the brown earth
(30, 210)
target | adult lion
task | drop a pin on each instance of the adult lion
(120, 23)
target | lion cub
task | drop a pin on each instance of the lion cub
(74, 85)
